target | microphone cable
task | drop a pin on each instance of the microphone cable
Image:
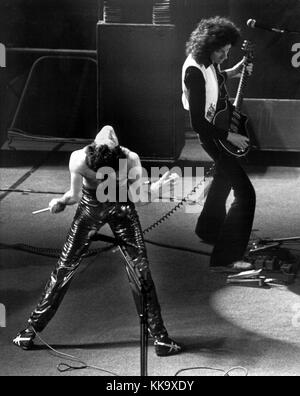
(65, 367)
(226, 373)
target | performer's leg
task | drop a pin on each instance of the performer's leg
(126, 227)
(236, 230)
(76, 245)
(213, 214)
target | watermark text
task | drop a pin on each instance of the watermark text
(160, 184)
(296, 56)
(296, 317)
(2, 55)
(2, 315)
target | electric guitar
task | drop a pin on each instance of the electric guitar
(230, 117)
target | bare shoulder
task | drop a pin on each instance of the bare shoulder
(134, 157)
(131, 156)
(77, 160)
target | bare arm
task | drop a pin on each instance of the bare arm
(140, 190)
(195, 84)
(72, 196)
(235, 71)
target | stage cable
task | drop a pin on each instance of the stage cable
(29, 191)
(30, 172)
(80, 364)
(56, 252)
(181, 203)
(181, 249)
(47, 252)
(226, 373)
(64, 367)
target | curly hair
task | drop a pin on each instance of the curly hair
(103, 156)
(211, 35)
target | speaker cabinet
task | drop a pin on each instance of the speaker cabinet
(140, 88)
(274, 124)
(58, 100)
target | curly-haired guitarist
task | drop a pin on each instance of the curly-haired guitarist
(203, 92)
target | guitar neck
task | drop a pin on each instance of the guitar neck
(240, 93)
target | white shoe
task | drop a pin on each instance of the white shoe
(242, 266)
(238, 266)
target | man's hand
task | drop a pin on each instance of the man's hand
(56, 206)
(168, 179)
(241, 142)
(236, 71)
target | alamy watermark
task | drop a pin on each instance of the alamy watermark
(296, 56)
(2, 55)
(2, 316)
(162, 184)
(296, 317)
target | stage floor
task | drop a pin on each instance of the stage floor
(222, 326)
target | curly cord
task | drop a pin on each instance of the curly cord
(181, 203)
(55, 253)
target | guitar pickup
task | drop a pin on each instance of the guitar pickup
(237, 115)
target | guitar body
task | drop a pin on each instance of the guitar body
(230, 119)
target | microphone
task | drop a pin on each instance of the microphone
(252, 23)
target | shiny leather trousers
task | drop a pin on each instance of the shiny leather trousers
(123, 219)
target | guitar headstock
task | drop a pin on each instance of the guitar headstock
(248, 48)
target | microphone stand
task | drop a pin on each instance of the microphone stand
(253, 24)
(139, 288)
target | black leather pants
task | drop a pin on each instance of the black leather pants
(90, 217)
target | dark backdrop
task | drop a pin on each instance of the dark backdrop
(72, 24)
(59, 24)
(49, 23)
(277, 67)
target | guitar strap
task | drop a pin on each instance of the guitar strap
(223, 92)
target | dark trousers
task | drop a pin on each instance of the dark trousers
(228, 231)
(90, 217)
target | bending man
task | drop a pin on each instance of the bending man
(90, 216)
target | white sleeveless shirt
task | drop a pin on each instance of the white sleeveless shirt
(211, 84)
